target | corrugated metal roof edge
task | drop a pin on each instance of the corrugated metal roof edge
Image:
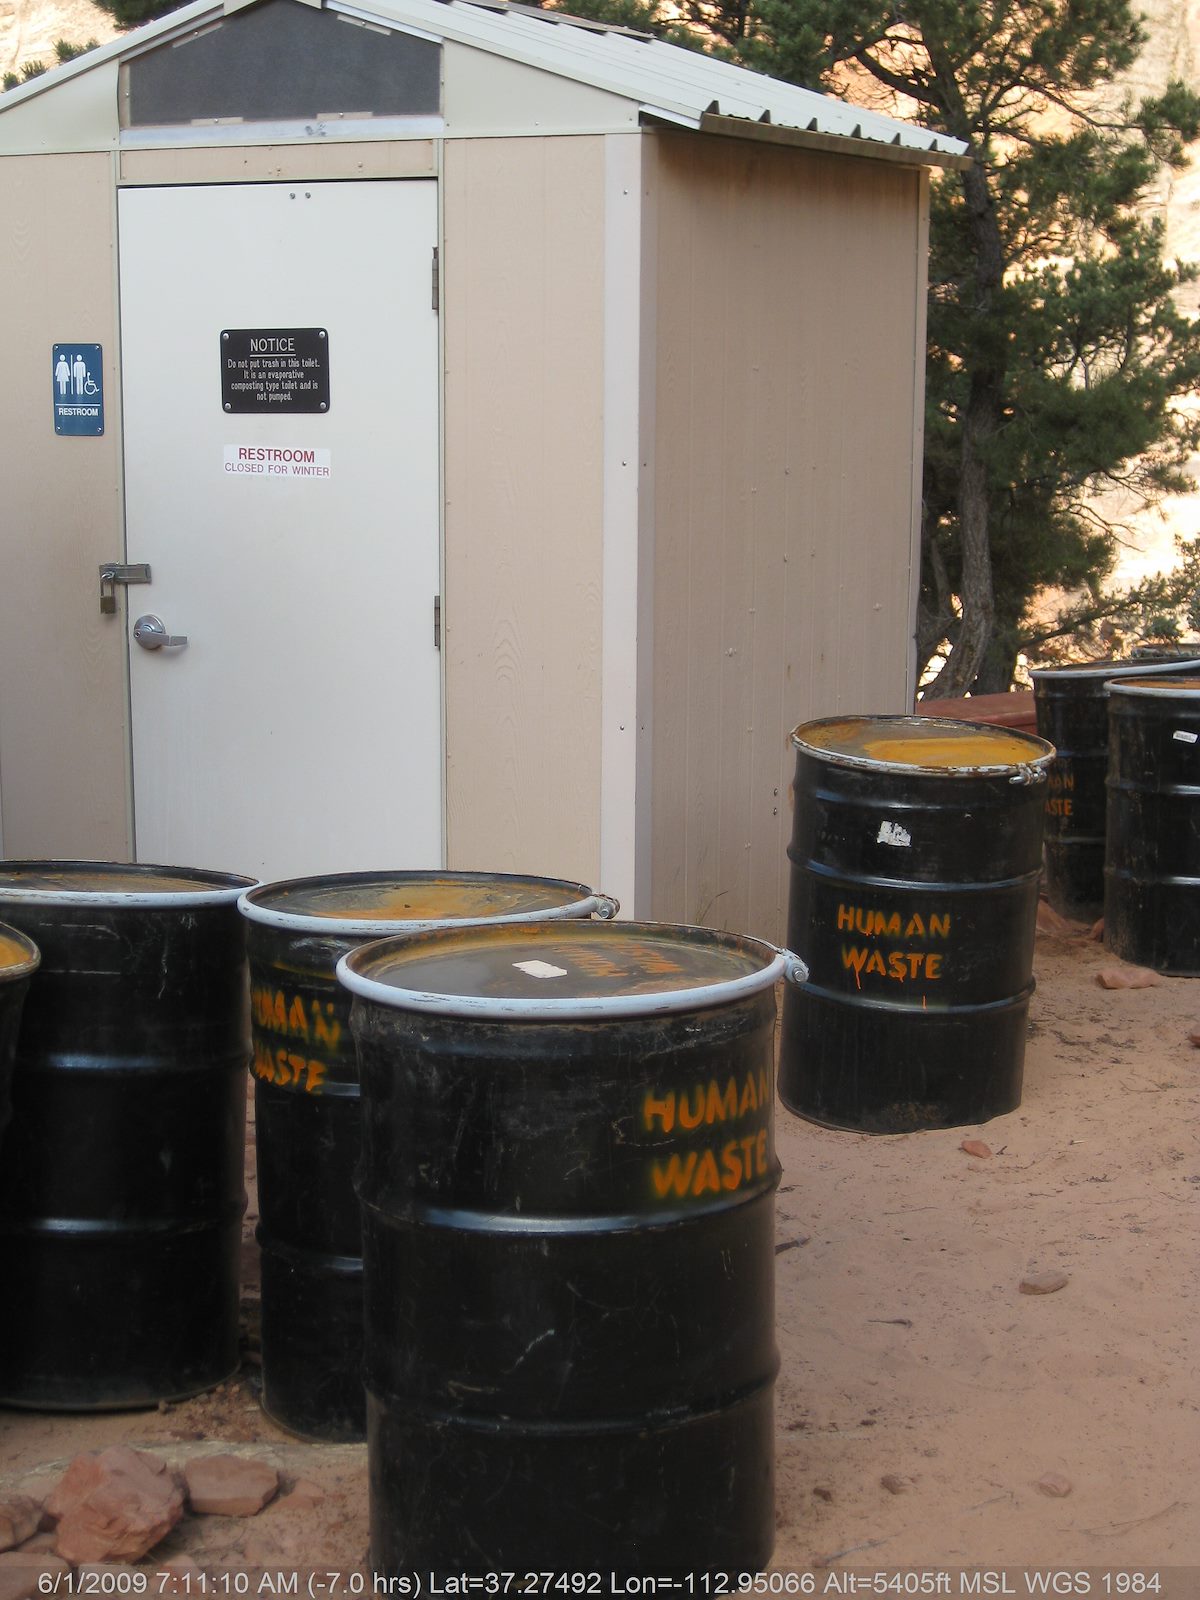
(201, 12)
(835, 143)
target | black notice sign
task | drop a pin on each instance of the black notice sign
(274, 370)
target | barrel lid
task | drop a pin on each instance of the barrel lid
(1161, 688)
(924, 744)
(19, 956)
(560, 971)
(381, 902)
(1103, 670)
(116, 883)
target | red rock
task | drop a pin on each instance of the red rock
(228, 1486)
(895, 1484)
(975, 1147)
(19, 1519)
(1128, 978)
(43, 1542)
(1194, 1037)
(1096, 931)
(1043, 1282)
(119, 1502)
(303, 1495)
(1054, 1484)
(20, 1575)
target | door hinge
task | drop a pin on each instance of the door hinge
(437, 622)
(437, 286)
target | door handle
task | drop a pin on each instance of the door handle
(151, 633)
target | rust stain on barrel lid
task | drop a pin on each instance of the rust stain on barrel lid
(561, 960)
(110, 877)
(930, 742)
(17, 955)
(416, 896)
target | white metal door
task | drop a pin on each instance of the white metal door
(295, 548)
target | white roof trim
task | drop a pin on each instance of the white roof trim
(316, 130)
(666, 81)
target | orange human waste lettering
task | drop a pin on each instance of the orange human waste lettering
(1059, 803)
(702, 1171)
(280, 1012)
(719, 1167)
(896, 965)
(288, 1068)
(306, 1028)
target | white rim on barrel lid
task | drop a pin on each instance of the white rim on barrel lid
(1186, 689)
(173, 893)
(543, 954)
(266, 902)
(1030, 755)
(1114, 669)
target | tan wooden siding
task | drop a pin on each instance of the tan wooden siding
(522, 307)
(787, 358)
(409, 158)
(63, 721)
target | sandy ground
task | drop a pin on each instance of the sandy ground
(908, 1352)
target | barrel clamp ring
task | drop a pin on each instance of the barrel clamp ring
(794, 970)
(1026, 774)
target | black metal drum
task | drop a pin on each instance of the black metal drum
(121, 1183)
(19, 959)
(1152, 863)
(916, 852)
(1072, 714)
(568, 1183)
(308, 1112)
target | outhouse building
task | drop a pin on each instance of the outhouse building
(443, 433)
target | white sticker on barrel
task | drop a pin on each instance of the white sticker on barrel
(1184, 737)
(893, 833)
(540, 969)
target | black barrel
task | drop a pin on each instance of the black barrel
(1072, 714)
(1152, 864)
(19, 959)
(121, 1183)
(916, 851)
(568, 1183)
(308, 1113)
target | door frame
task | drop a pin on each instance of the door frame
(405, 161)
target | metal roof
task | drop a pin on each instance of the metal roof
(667, 82)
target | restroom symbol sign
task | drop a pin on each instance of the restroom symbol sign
(77, 380)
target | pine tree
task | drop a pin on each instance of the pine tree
(132, 13)
(64, 51)
(1057, 350)
(1058, 354)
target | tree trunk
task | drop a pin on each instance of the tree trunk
(996, 673)
(978, 613)
(978, 422)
